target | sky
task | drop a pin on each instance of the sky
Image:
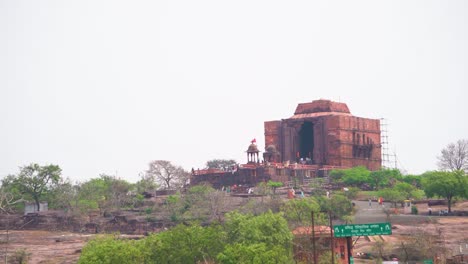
(108, 86)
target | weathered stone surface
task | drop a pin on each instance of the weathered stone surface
(324, 132)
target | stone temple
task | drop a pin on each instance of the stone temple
(320, 136)
(323, 133)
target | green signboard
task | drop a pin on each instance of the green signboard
(428, 261)
(373, 229)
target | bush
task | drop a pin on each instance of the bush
(21, 256)
(414, 210)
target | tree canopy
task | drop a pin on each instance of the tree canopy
(221, 164)
(445, 184)
(242, 239)
(167, 175)
(34, 181)
(454, 156)
(356, 176)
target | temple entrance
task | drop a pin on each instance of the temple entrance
(306, 142)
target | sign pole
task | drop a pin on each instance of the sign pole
(313, 238)
(332, 246)
(349, 241)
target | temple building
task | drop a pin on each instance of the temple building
(321, 135)
(324, 132)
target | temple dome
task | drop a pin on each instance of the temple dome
(271, 149)
(253, 148)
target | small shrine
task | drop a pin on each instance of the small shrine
(253, 152)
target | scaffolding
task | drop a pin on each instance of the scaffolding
(389, 160)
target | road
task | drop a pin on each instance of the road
(375, 214)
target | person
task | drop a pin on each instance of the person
(430, 211)
(328, 194)
(370, 202)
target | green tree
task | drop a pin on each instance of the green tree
(391, 195)
(11, 198)
(269, 228)
(257, 253)
(340, 205)
(414, 180)
(384, 178)
(354, 176)
(445, 184)
(147, 183)
(274, 185)
(34, 181)
(64, 195)
(268, 233)
(408, 191)
(104, 193)
(109, 250)
(197, 202)
(297, 211)
(221, 164)
(185, 244)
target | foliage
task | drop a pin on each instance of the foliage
(351, 193)
(107, 249)
(445, 184)
(147, 183)
(257, 253)
(185, 244)
(340, 206)
(356, 176)
(384, 178)
(175, 207)
(267, 233)
(243, 239)
(200, 203)
(274, 185)
(325, 257)
(8, 200)
(454, 156)
(269, 228)
(392, 195)
(337, 204)
(221, 164)
(414, 180)
(34, 181)
(316, 186)
(167, 175)
(105, 192)
(297, 211)
(20, 256)
(406, 190)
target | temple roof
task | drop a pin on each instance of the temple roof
(321, 106)
(253, 148)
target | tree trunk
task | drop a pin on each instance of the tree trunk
(37, 203)
(449, 202)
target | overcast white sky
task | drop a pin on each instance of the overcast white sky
(107, 86)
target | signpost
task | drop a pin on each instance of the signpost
(373, 229)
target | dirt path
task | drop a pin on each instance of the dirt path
(44, 246)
